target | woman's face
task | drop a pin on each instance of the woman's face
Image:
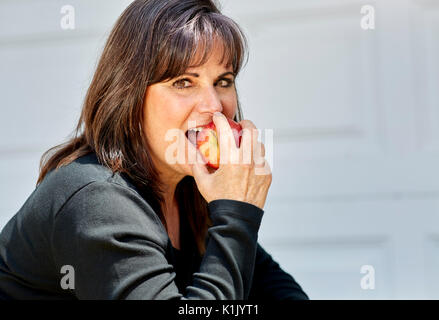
(185, 102)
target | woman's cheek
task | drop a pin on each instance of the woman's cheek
(230, 109)
(230, 104)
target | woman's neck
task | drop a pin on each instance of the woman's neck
(170, 210)
(168, 181)
(172, 217)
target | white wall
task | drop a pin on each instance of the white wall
(354, 112)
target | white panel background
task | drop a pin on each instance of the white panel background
(355, 117)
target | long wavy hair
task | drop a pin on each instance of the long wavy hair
(152, 41)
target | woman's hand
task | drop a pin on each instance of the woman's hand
(239, 176)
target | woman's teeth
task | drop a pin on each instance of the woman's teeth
(192, 133)
(193, 130)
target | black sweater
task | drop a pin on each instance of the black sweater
(84, 216)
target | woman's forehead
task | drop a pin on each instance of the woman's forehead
(184, 57)
(218, 54)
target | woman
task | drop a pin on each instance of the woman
(111, 217)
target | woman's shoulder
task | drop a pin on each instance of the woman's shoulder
(110, 206)
(76, 174)
(70, 178)
(83, 197)
(93, 195)
(88, 181)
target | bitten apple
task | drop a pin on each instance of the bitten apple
(206, 141)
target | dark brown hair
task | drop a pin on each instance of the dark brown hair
(152, 41)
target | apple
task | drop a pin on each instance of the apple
(206, 141)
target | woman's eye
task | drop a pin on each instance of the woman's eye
(225, 83)
(182, 84)
(186, 83)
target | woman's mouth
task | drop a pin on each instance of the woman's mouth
(205, 139)
(192, 133)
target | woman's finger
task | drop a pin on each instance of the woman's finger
(226, 140)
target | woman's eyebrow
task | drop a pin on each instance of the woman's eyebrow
(226, 74)
(191, 74)
(196, 75)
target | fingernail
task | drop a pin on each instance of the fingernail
(217, 114)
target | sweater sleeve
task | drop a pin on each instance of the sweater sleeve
(117, 246)
(270, 282)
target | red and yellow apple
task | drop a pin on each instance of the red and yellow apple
(206, 141)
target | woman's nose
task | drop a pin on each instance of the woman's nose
(210, 101)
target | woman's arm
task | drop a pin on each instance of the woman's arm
(270, 282)
(117, 246)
